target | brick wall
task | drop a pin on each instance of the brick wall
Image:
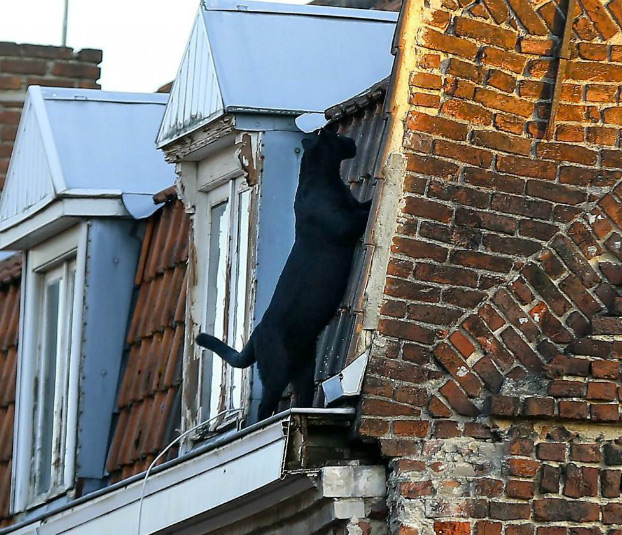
(22, 65)
(494, 381)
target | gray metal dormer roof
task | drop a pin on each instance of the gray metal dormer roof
(260, 57)
(80, 153)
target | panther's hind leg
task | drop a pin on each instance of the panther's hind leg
(275, 377)
(303, 382)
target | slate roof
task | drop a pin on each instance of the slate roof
(362, 118)
(149, 394)
(10, 276)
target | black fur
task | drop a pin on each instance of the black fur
(329, 223)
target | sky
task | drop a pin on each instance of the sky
(143, 40)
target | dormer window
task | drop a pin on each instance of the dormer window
(73, 205)
(45, 456)
(227, 211)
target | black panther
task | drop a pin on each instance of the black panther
(329, 223)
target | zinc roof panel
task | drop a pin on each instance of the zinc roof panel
(8, 377)
(114, 461)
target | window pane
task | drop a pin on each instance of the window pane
(235, 378)
(47, 377)
(62, 386)
(217, 275)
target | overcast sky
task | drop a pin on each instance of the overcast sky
(143, 41)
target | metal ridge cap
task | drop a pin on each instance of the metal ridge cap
(97, 95)
(273, 8)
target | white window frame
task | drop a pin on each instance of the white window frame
(52, 258)
(229, 388)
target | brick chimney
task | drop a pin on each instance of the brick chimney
(22, 65)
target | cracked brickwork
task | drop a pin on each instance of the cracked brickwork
(494, 379)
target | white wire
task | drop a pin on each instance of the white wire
(159, 456)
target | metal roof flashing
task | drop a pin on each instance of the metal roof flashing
(284, 60)
(261, 458)
(77, 153)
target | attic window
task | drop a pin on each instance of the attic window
(227, 210)
(55, 303)
(48, 370)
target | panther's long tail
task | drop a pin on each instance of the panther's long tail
(242, 359)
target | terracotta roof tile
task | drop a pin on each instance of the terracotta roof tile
(5, 491)
(10, 274)
(6, 432)
(113, 453)
(11, 269)
(142, 261)
(149, 386)
(173, 368)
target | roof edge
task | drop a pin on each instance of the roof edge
(299, 9)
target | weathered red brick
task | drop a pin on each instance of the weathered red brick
(486, 33)
(503, 59)
(567, 152)
(501, 80)
(448, 43)
(405, 289)
(446, 275)
(505, 103)
(405, 330)
(489, 373)
(575, 410)
(452, 528)
(476, 260)
(467, 111)
(504, 406)
(374, 427)
(555, 510)
(522, 490)
(612, 513)
(418, 249)
(446, 429)
(436, 125)
(602, 391)
(586, 453)
(464, 153)
(610, 482)
(551, 451)
(601, 135)
(512, 204)
(550, 477)
(539, 407)
(509, 510)
(458, 400)
(605, 369)
(428, 165)
(438, 409)
(411, 428)
(605, 412)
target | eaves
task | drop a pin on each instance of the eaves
(226, 481)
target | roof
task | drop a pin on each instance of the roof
(10, 275)
(284, 59)
(148, 402)
(375, 93)
(85, 143)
